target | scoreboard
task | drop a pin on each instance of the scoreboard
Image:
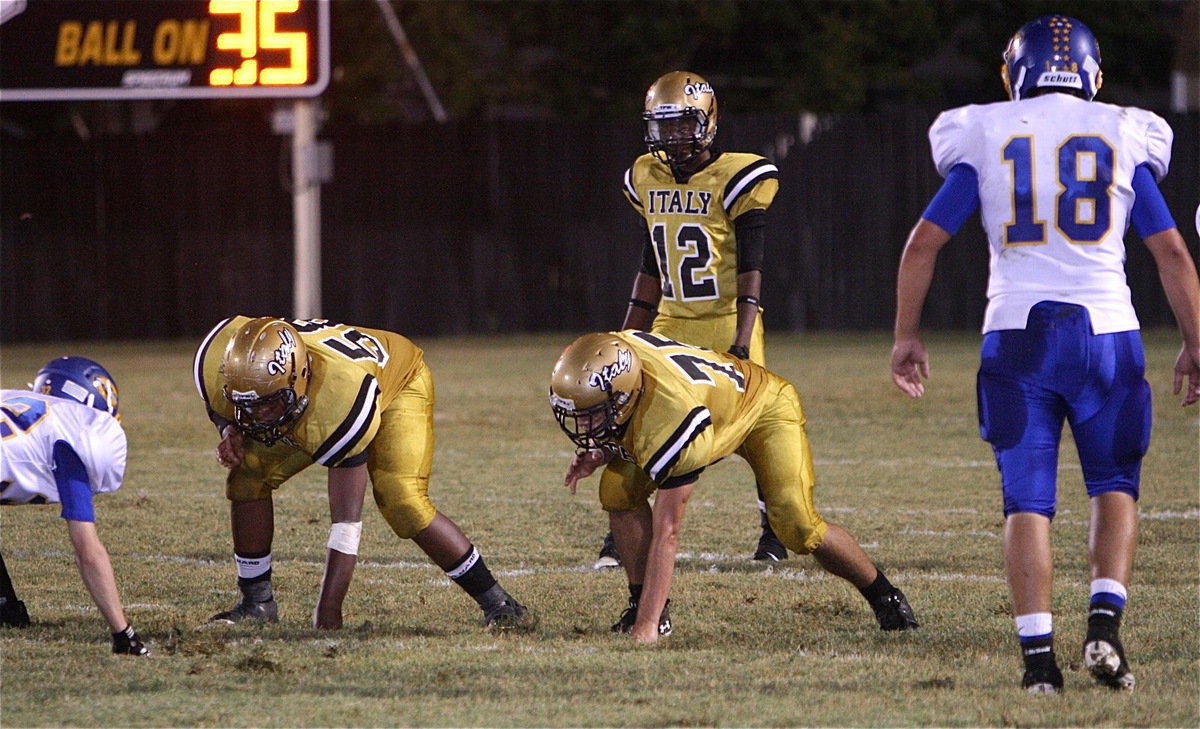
(55, 50)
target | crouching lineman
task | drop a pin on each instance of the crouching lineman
(61, 444)
(287, 394)
(657, 412)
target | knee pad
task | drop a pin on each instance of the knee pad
(800, 533)
(407, 516)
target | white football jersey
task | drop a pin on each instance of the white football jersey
(31, 423)
(1055, 190)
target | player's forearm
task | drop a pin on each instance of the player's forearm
(667, 517)
(95, 568)
(1177, 272)
(660, 570)
(749, 290)
(646, 293)
(915, 276)
(339, 569)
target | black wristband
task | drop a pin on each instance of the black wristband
(748, 300)
(740, 352)
(638, 303)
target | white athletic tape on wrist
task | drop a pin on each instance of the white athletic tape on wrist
(344, 536)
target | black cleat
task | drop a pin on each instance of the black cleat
(894, 613)
(1104, 658)
(769, 546)
(1043, 679)
(13, 614)
(629, 617)
(266, 612)
(609, 558)
(508, 615)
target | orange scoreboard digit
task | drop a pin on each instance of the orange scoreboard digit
(53, 50)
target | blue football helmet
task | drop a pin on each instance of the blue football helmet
(79, 379)
(1053, 51)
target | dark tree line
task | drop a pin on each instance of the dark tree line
(592, 59)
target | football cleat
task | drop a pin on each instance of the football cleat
(266, 611)
(508, 615)
(769, 546)
(894, 613)
(13, 614)
(128, 643)
(1104, 658)
(629, 617)
(1046, 679)
(609, 558)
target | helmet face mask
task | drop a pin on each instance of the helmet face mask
(266, 370)
(254, 418)
(79, 379)
(1052, 52)
(594, 390)
(680, 118)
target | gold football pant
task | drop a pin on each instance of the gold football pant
(777, 449)
(715, 334)
(400, 458)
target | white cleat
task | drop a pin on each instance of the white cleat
(1105, 661)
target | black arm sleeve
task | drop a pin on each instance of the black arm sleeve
(649, 262)
(750, 228)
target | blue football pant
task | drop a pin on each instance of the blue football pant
(1031, 380)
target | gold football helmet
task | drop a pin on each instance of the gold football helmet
(680, 117)
(595, 388)
(266, 368)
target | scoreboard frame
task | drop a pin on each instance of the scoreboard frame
(102, 50)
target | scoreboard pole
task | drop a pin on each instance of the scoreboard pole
(306, 213)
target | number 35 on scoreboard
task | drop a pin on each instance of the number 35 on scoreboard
(257, 29)
(127, 49)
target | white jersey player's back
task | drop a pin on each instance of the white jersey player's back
(1055, 188)
(32, 423)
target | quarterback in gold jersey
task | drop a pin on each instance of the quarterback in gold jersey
(660, 412)
(704, 214)
(285, 394)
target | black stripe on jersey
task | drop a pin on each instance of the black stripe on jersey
(675, 482)
(668, 455)
(353, 428)
(746, 179)
(630, 190)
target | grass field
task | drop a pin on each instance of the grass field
(754, 645)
